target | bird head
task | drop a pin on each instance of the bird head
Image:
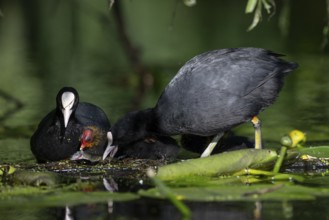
(91, 137)
(95, 140)
(67, 101)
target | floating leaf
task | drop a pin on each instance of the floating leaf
(224, 163)
(31, 178)
(278, 192)
(35, 198)
(74, 198)
(319, 151)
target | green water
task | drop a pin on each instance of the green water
(45, 45)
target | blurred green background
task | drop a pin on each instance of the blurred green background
(122, 58)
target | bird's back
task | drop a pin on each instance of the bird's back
(89, 114)
(219, 89)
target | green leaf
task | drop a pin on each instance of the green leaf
(257, 16)
(189, 3)
(251, 5)
(319, 151)
(219, 164)
(276, 192)
(24, 177)
(268, 4)
(74, 198)
(44, 199)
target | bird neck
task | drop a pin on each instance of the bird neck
(134, 126)
(59, 122)
(150, 121)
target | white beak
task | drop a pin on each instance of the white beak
(66, 113)
(110, 149)
(67, 102)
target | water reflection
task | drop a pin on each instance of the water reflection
(155, 209)
(92, 211)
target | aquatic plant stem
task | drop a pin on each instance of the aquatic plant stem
(248, 171)
(278, 163)
(165, 191)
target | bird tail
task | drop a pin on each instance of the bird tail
(290, 66)
(286, 66)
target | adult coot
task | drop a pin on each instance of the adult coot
(58, 134)
(210, 94)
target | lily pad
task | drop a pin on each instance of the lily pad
(24, 177)
(220, 164)
(277, 192)
(319, 151)
(37, 198)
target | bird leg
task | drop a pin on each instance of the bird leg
(212, 145)
(258, 133)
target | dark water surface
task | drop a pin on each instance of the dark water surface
(153, 209)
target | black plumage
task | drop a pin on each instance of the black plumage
(210, 94)
(58, 134)
(156, 147)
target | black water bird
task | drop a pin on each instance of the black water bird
(58, 134)
(212, 93)
(154, 148)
